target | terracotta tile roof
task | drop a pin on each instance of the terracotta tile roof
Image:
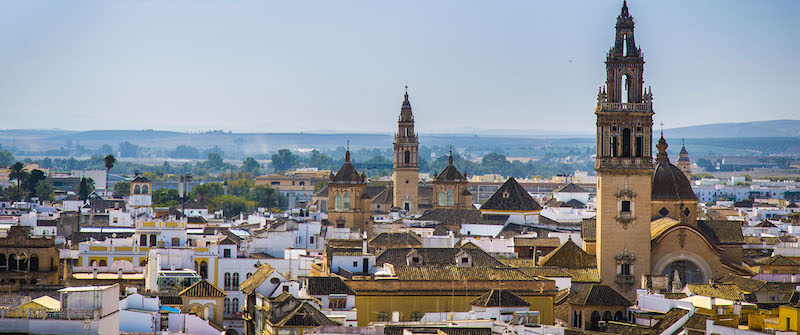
(589, 229)
(584, 275)
(722, 232)
(437, 256)
(499, 298)
(452, 216)
(250, 284)
(327, 285)
(536, 242)
(451, 273)
(746, 284)
(778, 260)
(511, 197)
(571, 188)
(203, 289)
(675, 295)
(669, 319)
(405, 239)
(347, 174)
(398, 330)
(287, 311)
(724, 291)
(599, 295)
(549, 272)
(621, 328)
(766, 224)
(561, 312)
(661, 225)
(450, 173)
(569, 256)
(697, 321)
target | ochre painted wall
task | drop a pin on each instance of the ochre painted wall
(369, 306)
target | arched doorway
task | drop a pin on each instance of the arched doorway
(595, 320)
(687, 271)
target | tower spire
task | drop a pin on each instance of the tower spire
(450, 161)
(347, 153)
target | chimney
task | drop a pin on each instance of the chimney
(119, 273)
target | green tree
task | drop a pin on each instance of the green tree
(265, 196)
(251, 165)
(109, 161)
(284, 160)
(231, 205)
(15, 193)
(6, 158)
(122, 189)
(163, 197)
(240, 187)
(83, 189)
(36, 176)
(320, 185)
(44, 191)
(18, 173)
(319, 160)
(203, 193)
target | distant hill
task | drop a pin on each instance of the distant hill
(774, 128)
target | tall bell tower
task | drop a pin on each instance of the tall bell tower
(406, 161)
(624, 164)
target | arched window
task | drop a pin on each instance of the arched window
(143, 240)
(624, 45)
(235, 305)
(3, 262)
(93, 263)
(595, 319)
(137, 189)
(103, 262)
(153, 242)
(145, 189)
(227, 303)
(442, 197)
(383, 317)
(407, 157)
(639, 146)
(204, 270)
(450, 197)
(626, 142)
(248, 275)
(338, 202)
(619, 316)
(302, 183)
(346, 201)
(235, 281)
(607, 316)
(34, 263)
(626, 83)
(12, 262)
(614, 146)
(227, 281)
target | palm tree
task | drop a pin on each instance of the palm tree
(18, 172)
(110, 160)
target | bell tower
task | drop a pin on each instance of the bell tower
(405, 192)
(624, 164)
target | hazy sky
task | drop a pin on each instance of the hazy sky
(269, 66)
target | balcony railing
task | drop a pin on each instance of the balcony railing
(625, 106)
(44, 314)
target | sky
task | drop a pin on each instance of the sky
(290, 66)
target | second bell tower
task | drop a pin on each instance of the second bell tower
(624, 164)
(405, 175)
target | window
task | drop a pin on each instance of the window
(415, 259)
(663, 212)
(103, 262)
(311, 240)
(235, 281)
(407, 157)
(337, 303)
(338, 202)
(227, 280)
(625, 269)
(153, 240)
(274, 281)
(639, 146)
(204, 270)
(383, 317)
(450, 197)
(614, 145)
(145, 189)
(143, 240)
(407, 206)
(626, 142)
(235, 305)
(248, 275)
(355, 264)
(464, 260)
(285, 288)
(176, 241)
(346, 201)
(227, 305)
(626, 206)
(226, 253)
(442, 198)
(302, 183)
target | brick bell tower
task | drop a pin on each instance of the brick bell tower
(624, 164)
(405, 193)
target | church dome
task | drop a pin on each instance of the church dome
(669, 182)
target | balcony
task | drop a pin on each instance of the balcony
(626, 107)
